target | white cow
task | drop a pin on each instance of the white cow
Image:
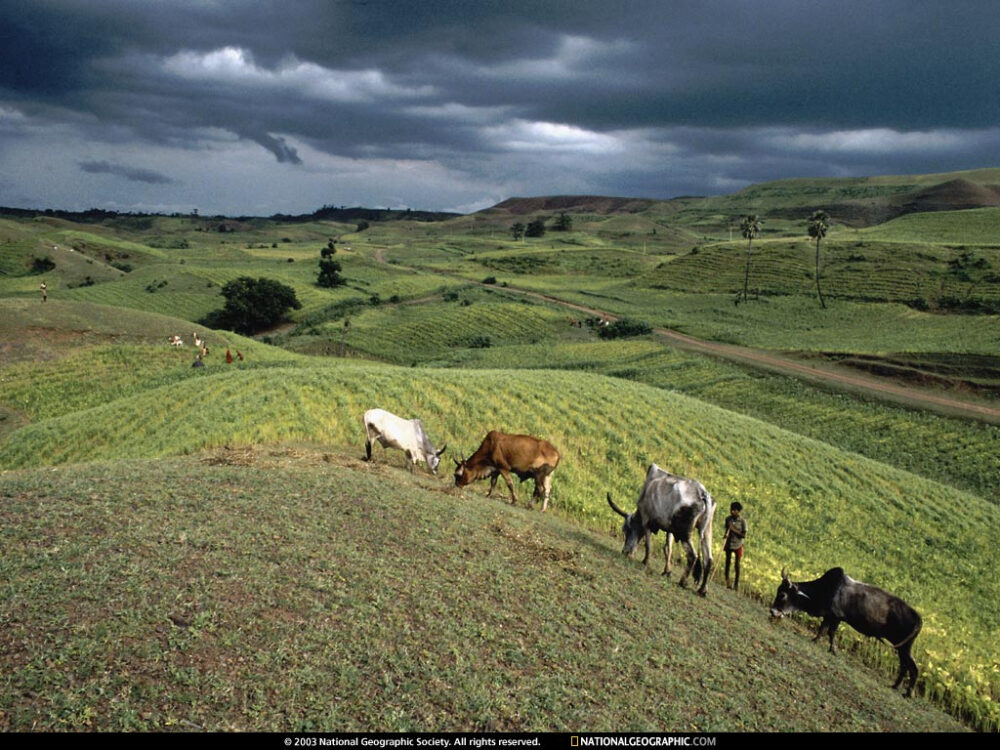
(677, 506)
(406, 434)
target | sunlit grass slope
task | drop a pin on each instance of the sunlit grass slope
(289, 590)
(959, 452)
(36, 332)
(978, 226)
(785, 322)
(882, 524)
(405, 334)
(869, 270)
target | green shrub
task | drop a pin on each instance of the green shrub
(480, 342)
(252, 305)
(623, 328)
(42, 265)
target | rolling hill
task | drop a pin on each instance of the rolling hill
(284, 589)
(857, 202)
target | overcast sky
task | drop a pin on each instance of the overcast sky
(260, 106)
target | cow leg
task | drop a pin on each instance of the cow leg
(547, 487)
(691, 557)
(646, 537)
(493, 482)
(903, 668)
(829, 625)
(908, 666)
(705, 543)
(668, 551)
(510, 486)
(368, 450)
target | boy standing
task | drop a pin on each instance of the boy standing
(736, 531)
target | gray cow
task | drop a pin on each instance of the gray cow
(677, 506)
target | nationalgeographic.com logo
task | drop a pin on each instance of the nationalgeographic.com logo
(645, 741)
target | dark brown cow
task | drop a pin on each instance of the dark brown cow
(836, 597)
(501, 454)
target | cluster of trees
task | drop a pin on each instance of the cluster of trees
(752, 225)
(536, 228)
(252, 305)
(966, 267)
(624, 328)
(329, 269)
(42, 265)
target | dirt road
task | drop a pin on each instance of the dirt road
(830, 375)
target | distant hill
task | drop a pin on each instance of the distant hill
(856, 201)
(358, 213)
(860, 201)
(327, 213)
(591, 204)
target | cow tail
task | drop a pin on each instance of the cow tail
(911, 637)
(709, 509)
(706, 531)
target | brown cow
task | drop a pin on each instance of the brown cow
(501, 454)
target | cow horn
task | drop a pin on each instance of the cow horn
(443, 449)
(615, 508)
(784, 573)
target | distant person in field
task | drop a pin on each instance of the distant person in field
(229, 358)
(45, 291)
(732, 542)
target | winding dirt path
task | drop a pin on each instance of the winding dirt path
(829, 375)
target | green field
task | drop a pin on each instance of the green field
(796, 487)
(99, 416)
(274, 590)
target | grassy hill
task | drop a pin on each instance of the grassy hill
(858, 201)
(796, 487)
(297, 590)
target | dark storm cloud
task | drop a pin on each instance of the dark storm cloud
(129, 173)
(645, 97)
(279, 147)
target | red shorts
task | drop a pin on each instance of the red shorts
(738, 552)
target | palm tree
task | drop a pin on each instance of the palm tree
(750, 227)
(819, 222)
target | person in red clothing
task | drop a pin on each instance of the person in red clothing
(736, 531)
